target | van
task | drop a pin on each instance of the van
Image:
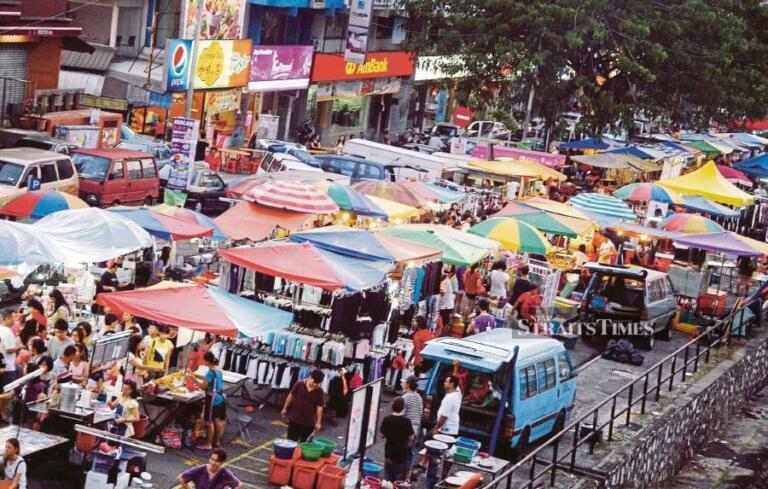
(19, 166)
(158, 149)
(630, 301)
(413, 164)
(532, 380)
(275, 162)
(111, 177)
(359, 169)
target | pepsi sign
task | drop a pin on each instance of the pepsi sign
(177, 63)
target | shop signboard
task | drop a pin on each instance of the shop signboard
(222, 101)
(220, 64)
(360, 14)
(379, 64)
(183, 144)
(363, 418)
(275, 68)
(221, 19)
(107, 103)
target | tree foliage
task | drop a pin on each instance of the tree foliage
(688, 60)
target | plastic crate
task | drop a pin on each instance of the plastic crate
(305, 473)
(331, 477)
(280, 471)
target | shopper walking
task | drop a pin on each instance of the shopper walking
(215, 409)
(414, 410)
(304, 407)
(398, 432)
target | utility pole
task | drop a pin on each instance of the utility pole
(193, 59)
(152, 44)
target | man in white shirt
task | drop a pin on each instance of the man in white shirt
(448, 414)
(9, 346)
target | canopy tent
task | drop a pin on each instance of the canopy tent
(554, 207)
(516, 209)
(192, 217)
(589, 143)
(161, 225)
(395, 211)
(510, 167)
(25, 247)
(513, 234)
(633, 151)
(750, 138)
(542, 171)
(734, 175)
(309, 264)
(646, 192)
(690, 223)
(201, 308)
(351, 200)
(366, 245)
(429, 192)
(455, 252)
(617, 161)
(395, 192)
(472, 240)
(746, 142)
(38, 204)
(92, 235)
(706, 147)
(631, 227)
(756, 166)
(706, 206)
(722, 242)
(257, 222)
(291, 196)
(682, 147)
(603, 204)
(708, 182)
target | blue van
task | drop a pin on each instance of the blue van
(533, 385)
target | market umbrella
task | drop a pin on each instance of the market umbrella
(395, 211)
(646, 192)
(690, 223)
(430, 192)
(544, 221)
(701, 204)
(555, 207)
(309, 264)
(257, 222)
(192, 217)
(602, 204)
(725, 242)
(40, 203)
(389, 190)
(365, 244)
(513, 235)
(455, 252)
(351, 200)
(516, 209)
(292, 196)
(162, 225)
(25, 247)
(201, 308)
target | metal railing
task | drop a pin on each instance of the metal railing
(560, 454)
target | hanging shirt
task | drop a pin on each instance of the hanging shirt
(447, 297)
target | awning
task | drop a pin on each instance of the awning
(589, 143)
(455, 251)
(756, 166)
(76, 44)
(706, 206)
(257, 222)
(707, 147)
(708, 182)
(602, 160)
(723, 242)
(308, 264)
(89, 83)
(161, 225)
(201, 308)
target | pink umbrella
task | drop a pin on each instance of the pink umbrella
(293, 196)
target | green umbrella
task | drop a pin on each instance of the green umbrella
(546, 223)
(513, 234)
(455, 252)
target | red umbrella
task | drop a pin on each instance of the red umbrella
(293, 196)
(734, 175)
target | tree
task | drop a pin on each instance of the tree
(689, 60)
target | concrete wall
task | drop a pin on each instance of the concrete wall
(659, 450)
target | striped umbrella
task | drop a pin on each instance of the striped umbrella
(192, 217)
(390, 191)
(40, 203)
(513, 234)
(607, 205)
(351, 200)
(292, 196)
(647, 191)
(690, 223)
(430, 192)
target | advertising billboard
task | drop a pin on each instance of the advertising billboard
(220, 64)
(221, 19)
(276, 68)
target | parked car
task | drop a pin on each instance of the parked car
(117, 176)
(274, 162)
(274, 145)
(47, 144)
(206, 188)
(50, 170)
(628, 301)
(490, 129)
(359, 169)
(157, 148)
(532, 374)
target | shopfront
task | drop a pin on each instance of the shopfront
(349, 99)
(433, 99)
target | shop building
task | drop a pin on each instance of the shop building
(433, 98)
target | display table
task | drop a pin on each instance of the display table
(490, 465)
(165, 407)
(30, 441)
(87, 416)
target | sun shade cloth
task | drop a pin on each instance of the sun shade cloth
(163, 226)
(201, 308)
(708, 182)
(192, 217)
(367, 245)
(309, 264)
(701, 204)
(722, 242)
(455, 252)
(513, 234)
(39, 204)
(756, 166)
(603, 204)
(257, 222)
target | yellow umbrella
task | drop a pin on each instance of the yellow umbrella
(503, 168)
(542, 171)
(395, 210)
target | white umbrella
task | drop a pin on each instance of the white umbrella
(24, 248)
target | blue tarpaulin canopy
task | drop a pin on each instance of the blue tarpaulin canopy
(634, 151)
(366, 245)
(701, 204)
(589, 143)
(755, 167)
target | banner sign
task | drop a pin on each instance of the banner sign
(333, 67)
(224, 101)
(221, 19)
(360, 15)
(275, 68)
(183, 145)
(220, 64)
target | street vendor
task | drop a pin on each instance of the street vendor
(159, 351)
(215, 410)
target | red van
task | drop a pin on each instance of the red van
(116, 177)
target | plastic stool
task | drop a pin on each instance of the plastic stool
(243, 422)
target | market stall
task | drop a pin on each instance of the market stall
(460, 249)
(709, 183)
(258, 222)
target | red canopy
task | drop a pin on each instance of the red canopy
(257, 222)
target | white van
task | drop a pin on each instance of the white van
(392, 155)
(19, 166)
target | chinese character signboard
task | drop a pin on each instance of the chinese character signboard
(183, 145)
(221, 19)
(220, 64)
(276, 68)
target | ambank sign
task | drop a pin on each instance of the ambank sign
(332, 67)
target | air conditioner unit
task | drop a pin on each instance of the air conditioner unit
(317, 44)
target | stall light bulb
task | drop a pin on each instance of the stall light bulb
(344, 216)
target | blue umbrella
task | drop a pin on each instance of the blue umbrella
(603, 204)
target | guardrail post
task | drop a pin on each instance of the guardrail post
(593, 436)
(629, 401)
(709, 348)
(685, 365)
(554, 462)
(610, 422)
(532, 472)
(672, 373)
(658, 382)
(577, 431)
(698, 353)
(645, 392)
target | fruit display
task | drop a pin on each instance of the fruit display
(561, 261)
(169, 380)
